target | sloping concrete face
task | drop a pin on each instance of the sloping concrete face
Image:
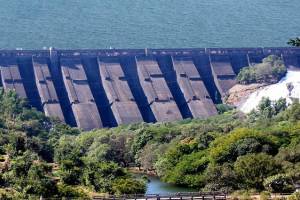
(11, 78)
(254, 59)
(223, 73)
(292, 61)
(193, 88)
(46, 89)
(120, 97)
(156, 90)
(95, 88)
(83, 104)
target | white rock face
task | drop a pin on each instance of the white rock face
(288, 87)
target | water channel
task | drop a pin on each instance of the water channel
(156, 186)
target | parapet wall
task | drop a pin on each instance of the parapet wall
(105, 88)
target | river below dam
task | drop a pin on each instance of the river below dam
(34, 24)
(156, 186)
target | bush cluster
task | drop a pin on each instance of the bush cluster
(38, 157)
(270, 71)
(228, 152)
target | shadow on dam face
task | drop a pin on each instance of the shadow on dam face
(105, 88)
(92, 70)
(129, 67)
(26, 71)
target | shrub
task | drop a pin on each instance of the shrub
(71, 192)
(220, 178)
(239, 142)
(279, 183)
(241, 195)
(2, 158)
(294, 42)
(222, 108)
(100, 176)
(271, 70)
(252, 169)
(128, 186)
(69, 173)
(295, 196)
(265, 195)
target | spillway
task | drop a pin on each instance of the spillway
(118, 92)
(80, 95)
(11, 78)
(46, 89)
(106, 88)
(157, 91)
(193, 88)
(223, 73)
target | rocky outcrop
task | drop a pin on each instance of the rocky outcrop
(238, 94)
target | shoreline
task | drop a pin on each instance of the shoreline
(139, 170)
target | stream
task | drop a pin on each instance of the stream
(156, 186)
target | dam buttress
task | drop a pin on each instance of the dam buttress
(106, 88)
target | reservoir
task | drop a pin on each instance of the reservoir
(34, 24)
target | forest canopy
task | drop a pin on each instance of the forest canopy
(227, 152)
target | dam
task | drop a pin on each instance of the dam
(106, 88)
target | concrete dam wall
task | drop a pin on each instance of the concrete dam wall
(105, 88)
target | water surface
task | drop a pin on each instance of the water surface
(33, 24)
(156, 186)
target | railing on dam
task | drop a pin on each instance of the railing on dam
(173, 196)
(93, 88)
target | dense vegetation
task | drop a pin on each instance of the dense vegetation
(228, 152)
(270, 71)
(38, 156)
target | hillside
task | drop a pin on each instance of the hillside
(38, 158)
(228, 152)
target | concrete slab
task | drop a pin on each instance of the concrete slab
(223, 73)
(193, 88)
(11, 78)
(120, 97)
(46, 89)
(156, 90)
(82, 102)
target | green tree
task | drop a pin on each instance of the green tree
(100, 175)
(279, 183)
(39, 182)
(221, 178)
(252, 169)
(128, 186)
(29, 176)
(294, 42)
(69, 172)
(271, 70)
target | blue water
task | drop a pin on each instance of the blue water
(32, 24)
(156, 186)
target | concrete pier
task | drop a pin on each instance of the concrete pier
(118, 92)
(46, 89)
